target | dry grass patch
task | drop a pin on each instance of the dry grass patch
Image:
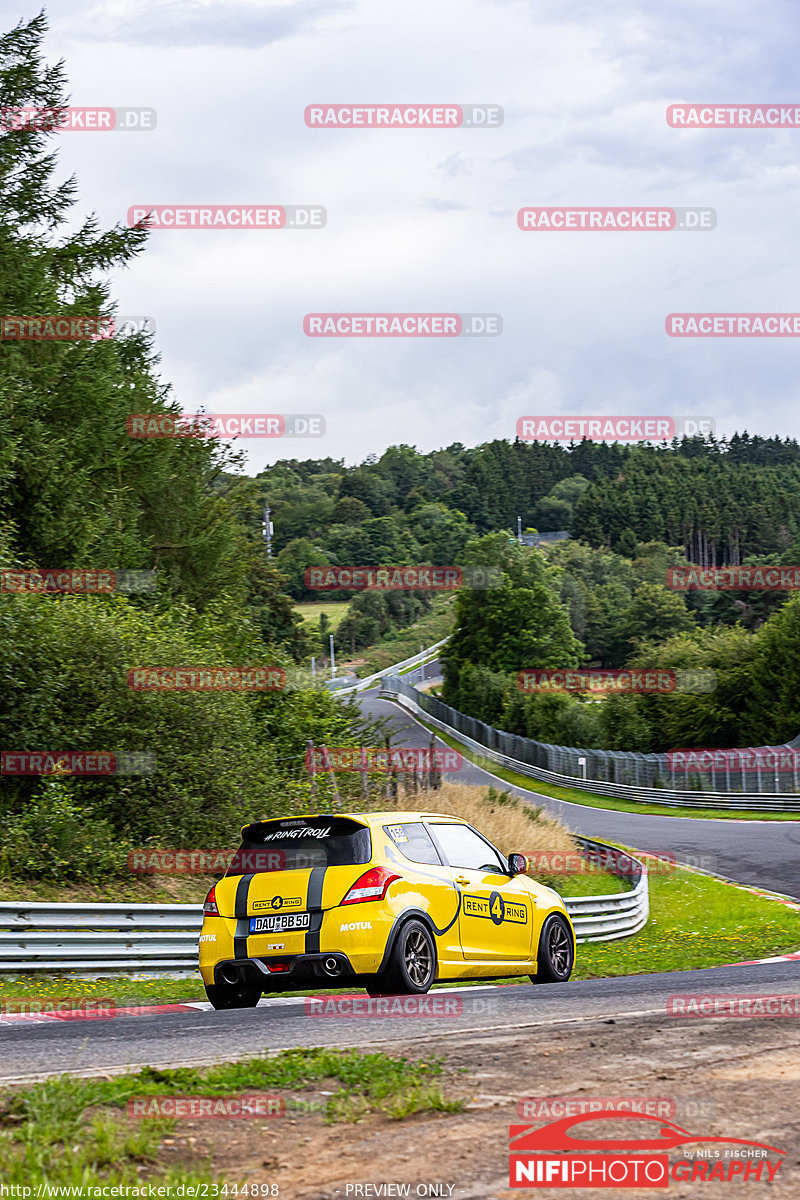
(513, 826)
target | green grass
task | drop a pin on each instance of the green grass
(118, 989)
(77, 1131)
(311, 611)
(591, 800)
(695, 921)
(595, 884)
(431, 628)
(139, 889)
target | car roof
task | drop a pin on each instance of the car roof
(372, 818)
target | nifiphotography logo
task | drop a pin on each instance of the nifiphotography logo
(554, 1156)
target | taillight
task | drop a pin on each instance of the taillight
(210, 904)
(372, 885)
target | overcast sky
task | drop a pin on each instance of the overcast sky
(425, 220)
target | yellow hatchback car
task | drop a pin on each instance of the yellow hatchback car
(388, 901)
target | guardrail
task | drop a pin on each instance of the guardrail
(416, 660)
(419, 703)
(162, 938)
(99, 937)
(606, 918)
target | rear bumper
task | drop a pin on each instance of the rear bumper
(328, 970)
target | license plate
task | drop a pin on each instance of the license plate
(280, 922)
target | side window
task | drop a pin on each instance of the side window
(414, 842)
(463, 848)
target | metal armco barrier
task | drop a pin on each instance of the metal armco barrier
(160, 938)
(605, 918)
(433, 711)
(99, 937)
(416, 660)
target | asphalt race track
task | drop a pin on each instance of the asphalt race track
(190, 1038)
(762, 853)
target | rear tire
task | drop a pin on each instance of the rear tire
(229, 995)
(412, 966)
(556, 952)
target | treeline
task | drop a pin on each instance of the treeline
(720, 501)
(77, 492)
(581, 606)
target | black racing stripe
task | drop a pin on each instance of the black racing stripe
(314, 900)
(439, 931)
(240, 912)
(437, 876)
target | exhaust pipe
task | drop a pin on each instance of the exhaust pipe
(333, 966)
(230, 974)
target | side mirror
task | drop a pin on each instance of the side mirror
(517, 864)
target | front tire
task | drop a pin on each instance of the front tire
(556, 952)
(228, 995)
(412, 966)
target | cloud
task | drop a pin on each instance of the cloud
(425, 220)
(194, 23)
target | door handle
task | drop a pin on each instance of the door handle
(461, 879)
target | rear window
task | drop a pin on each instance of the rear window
(301, 845)
(414, 842)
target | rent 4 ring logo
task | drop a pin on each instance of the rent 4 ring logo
(495, 909)
(554, 1156)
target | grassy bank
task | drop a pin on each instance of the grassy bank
(312, 610)
(431, 628)
(81, 1131)
(695, 921)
